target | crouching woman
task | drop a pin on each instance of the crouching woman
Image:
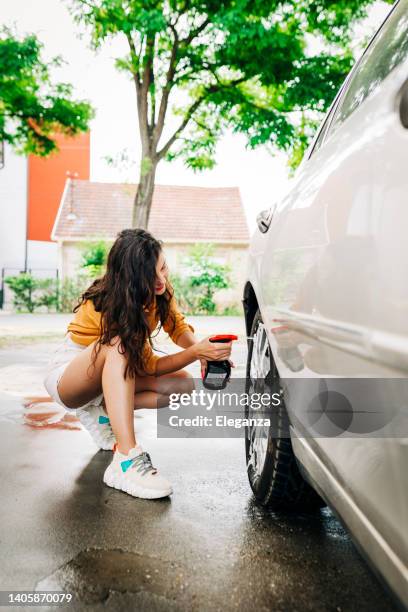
(105, 367)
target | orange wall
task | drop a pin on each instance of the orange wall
(46, 181)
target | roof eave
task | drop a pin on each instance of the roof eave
(54, 235)
(244, 242)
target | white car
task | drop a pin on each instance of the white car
(326, 307)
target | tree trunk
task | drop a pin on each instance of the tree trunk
(144, 195)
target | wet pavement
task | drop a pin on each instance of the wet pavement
(208, 547)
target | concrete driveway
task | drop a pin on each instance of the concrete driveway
(208, 547)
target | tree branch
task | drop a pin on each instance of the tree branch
(166, 90)
(144, 91)
(189, 73)
(148, 64)
(213, 89)
(186, 41)
(160, 154)
(136, 55)
(152, 102)
(141, 101)
(170, 75)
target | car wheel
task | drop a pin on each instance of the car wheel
(273, 473)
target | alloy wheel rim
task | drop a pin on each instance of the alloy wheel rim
(260, 368)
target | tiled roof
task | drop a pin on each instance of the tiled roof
(185, 214)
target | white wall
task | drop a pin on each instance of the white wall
(13, 205)
(235, 256)
(69, 259)
(232, 255)
(43, 257)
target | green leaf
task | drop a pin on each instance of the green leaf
(243, 65)
(32, 108)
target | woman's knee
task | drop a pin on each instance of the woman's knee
(113, 348)
(114, 343)
(183, 382)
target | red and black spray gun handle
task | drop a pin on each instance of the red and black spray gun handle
(223, 338)
(218, 368)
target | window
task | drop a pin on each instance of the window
(326, 124)
(387, 50)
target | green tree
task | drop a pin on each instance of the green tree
(238, 64)
(32, 107)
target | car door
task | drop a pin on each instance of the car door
(334, 292)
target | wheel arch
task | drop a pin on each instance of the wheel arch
(250, 304)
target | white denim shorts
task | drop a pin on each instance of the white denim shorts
(62, 356)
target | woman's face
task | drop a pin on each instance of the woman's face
(161, 275)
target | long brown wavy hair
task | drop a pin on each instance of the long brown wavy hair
(126, 293)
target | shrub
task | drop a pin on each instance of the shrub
(233, 310)
(47, 293)
(94, 257)
(207, 276)
(186, 295)
(70, 291)
(31, 293)
(195, 291)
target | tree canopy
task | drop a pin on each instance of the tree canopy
(33, 108)
(244, 65)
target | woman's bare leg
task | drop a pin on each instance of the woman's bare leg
(119, 400)
(80, 383)
(154, 392)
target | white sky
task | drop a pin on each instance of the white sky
(260, 177)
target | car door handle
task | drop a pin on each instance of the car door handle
(264, 219)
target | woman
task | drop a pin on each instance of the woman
(105, 367)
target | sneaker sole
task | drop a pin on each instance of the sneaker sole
(141, 492)
(95, 434)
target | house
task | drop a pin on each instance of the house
(30, 194)
(180, 216)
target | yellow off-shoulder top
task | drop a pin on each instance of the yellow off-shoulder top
(85, 328)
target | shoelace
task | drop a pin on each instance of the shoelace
(143, 464)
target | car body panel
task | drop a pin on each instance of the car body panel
(329, 277)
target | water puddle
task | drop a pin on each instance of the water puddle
(94, 573)
(43, 412)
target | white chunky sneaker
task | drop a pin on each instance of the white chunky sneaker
(95, 421)
(134, 474)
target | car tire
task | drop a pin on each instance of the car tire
(276, 481)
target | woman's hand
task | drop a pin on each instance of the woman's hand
(212, 351)
(204, 366)
(204, 351)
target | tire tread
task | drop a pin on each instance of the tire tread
(283, 486)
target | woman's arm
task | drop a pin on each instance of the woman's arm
(187, 339)
(204, 350)
(177, 361)
(181, 332)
